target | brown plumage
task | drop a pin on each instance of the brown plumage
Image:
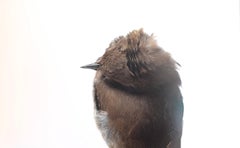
(136, 92)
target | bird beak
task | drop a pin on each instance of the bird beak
(93, 66)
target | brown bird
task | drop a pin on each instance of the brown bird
(137, 98)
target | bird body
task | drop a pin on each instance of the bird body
(138, 102)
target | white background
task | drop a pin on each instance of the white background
(46, 99)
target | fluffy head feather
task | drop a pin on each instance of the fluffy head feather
(137, 62)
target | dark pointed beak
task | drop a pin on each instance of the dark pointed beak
(93, 66)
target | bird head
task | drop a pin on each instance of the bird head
(135, 61)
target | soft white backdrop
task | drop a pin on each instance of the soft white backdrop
(46, 99)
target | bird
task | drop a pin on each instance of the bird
(137, 97)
